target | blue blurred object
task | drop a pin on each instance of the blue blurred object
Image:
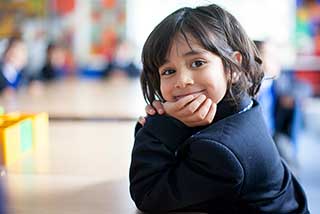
(3, 193)
(129, 69)
(91, 72)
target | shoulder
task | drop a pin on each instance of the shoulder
(237, 125)
(243, 134)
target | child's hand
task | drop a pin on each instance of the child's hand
(192, 110)
(155, 108)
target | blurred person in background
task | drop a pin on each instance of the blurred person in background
(12, 65)
(267, 94)
(122, 63)
(290, 95)
(281, 97)
(54, 66)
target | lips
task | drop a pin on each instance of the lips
(180, 96)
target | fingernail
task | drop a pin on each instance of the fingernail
(151, 111)
(160, 111)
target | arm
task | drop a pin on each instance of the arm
(161, 180)
(192, 110)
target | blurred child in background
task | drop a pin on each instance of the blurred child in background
(54, 64)
(12, 63)
(122, 63)
(267, 94)
(281, 96)
(290, 96)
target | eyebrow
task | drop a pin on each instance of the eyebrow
(189, 53)
(194, 52)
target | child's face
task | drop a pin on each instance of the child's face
(192, 71)
(17, 55)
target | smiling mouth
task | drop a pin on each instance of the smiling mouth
(187, 94)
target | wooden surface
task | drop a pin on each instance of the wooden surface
(80, 98)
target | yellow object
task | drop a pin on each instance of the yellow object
(10, 142)
(1, 110)
(40, 128)
(19, 133)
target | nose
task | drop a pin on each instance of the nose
(184, 79)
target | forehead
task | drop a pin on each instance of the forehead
(181, 45)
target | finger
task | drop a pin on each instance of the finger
(193, 106)
(181, 103)
(204, 109)
(158, 106)
(211, 113)
(142, 120)
(209, 118)
(201, 113)
(150, 110)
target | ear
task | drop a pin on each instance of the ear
(237, 56)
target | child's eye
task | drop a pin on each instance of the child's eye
(167, 72)
(197, 63)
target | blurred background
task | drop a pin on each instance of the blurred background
(70, 95)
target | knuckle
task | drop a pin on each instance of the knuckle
(189, 109)
(203, 114)
(157, 105)
(199, 116)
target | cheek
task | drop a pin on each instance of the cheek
(217, 88)
(166, 90)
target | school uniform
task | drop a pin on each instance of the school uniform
(230, 166)
(49, 72)
(10, 77)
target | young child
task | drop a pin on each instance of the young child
(12, 65)
(54, 65)
(211, 150)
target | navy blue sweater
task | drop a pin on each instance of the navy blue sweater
(230, 166)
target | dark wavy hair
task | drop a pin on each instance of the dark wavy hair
(218, 32)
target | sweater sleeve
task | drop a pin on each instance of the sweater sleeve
(171, 170)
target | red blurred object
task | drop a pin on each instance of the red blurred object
(121, 17)
(63, 7)
(96, 16)
(109, 3)
(312, 77)
(317, 43)
(109, 42)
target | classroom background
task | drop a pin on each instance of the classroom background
(70, 95)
